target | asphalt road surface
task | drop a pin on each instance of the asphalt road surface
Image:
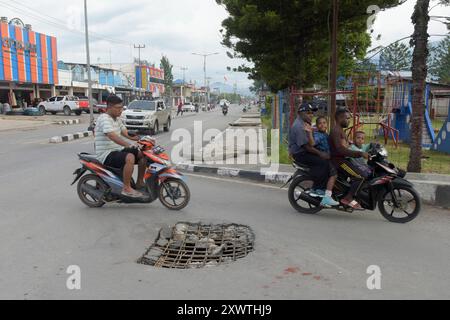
(44, 229)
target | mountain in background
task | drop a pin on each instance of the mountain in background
(227, 88)
(224, 88)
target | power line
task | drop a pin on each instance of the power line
(60, 24)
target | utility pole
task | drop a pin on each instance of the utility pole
(334, 61)
(184, 69)
(205, 55)
(139, 47)
(88, 63)
(208, 94)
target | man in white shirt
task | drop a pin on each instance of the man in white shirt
(114, 151)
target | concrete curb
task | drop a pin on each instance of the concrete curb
(71, 137)
(434, 193)
(69, 122)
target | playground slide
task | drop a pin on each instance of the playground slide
(442, 142)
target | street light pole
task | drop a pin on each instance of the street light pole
(88, 62)
(205, 55)
(184, 69)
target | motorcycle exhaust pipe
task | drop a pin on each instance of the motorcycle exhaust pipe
(307, 198)
(95, 193)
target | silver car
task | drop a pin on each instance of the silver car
(147, 116)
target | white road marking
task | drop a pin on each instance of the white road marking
(261, 185)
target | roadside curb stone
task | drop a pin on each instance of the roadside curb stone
(71, 137)
(69, 122)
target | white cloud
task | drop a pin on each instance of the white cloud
(394, 24)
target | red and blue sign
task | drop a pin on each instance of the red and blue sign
(27, 56)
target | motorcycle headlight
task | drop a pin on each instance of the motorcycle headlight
(384, 153)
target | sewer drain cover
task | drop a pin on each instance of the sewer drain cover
(187, 246)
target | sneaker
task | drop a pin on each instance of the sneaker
(328, 202)
(317, 193)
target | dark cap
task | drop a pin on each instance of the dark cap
(306, 107)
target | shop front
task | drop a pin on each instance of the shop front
(28, 64)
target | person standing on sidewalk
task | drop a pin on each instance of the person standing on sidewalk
(305, 154)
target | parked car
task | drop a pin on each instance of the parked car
(188, 107)
(147, 116)
(84, 104)
(66, 104)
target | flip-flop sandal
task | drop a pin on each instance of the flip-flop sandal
(354, 205)
(135, 194)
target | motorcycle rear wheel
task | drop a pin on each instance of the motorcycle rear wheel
(405, 195)
(96, 183)
(299, 185)
(172, 190)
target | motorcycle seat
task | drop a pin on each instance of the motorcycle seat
(89, 158)
(302, 167)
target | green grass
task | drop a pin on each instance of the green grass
(433, 162)
(437, 124)
(284, 153)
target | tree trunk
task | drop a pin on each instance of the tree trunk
(419, 40)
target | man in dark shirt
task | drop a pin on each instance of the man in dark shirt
(340, 151)
(303, 153)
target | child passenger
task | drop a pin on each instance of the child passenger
(319, 140)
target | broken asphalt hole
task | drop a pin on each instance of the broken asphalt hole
(189, 246)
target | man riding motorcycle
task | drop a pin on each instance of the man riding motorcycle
(340, 153)
(305, 154)
(113, 151)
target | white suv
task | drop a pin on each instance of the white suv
(66, 104)
(147, 115)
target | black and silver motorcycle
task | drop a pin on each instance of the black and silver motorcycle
(387, 188)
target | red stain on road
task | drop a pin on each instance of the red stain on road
(306, 274)
(292, 270)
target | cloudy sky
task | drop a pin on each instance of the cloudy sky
(175, 28)
(395, 23)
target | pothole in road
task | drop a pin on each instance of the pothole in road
(196, 245)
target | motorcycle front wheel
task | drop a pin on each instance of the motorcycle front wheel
(174, 194)
(409, 205)
(301, 185)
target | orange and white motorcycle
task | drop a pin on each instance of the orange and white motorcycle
(104, 184)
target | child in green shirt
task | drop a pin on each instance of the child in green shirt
(359, 145)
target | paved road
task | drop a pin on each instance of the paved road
(44, 229)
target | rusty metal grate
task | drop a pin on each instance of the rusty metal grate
(188, 246)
